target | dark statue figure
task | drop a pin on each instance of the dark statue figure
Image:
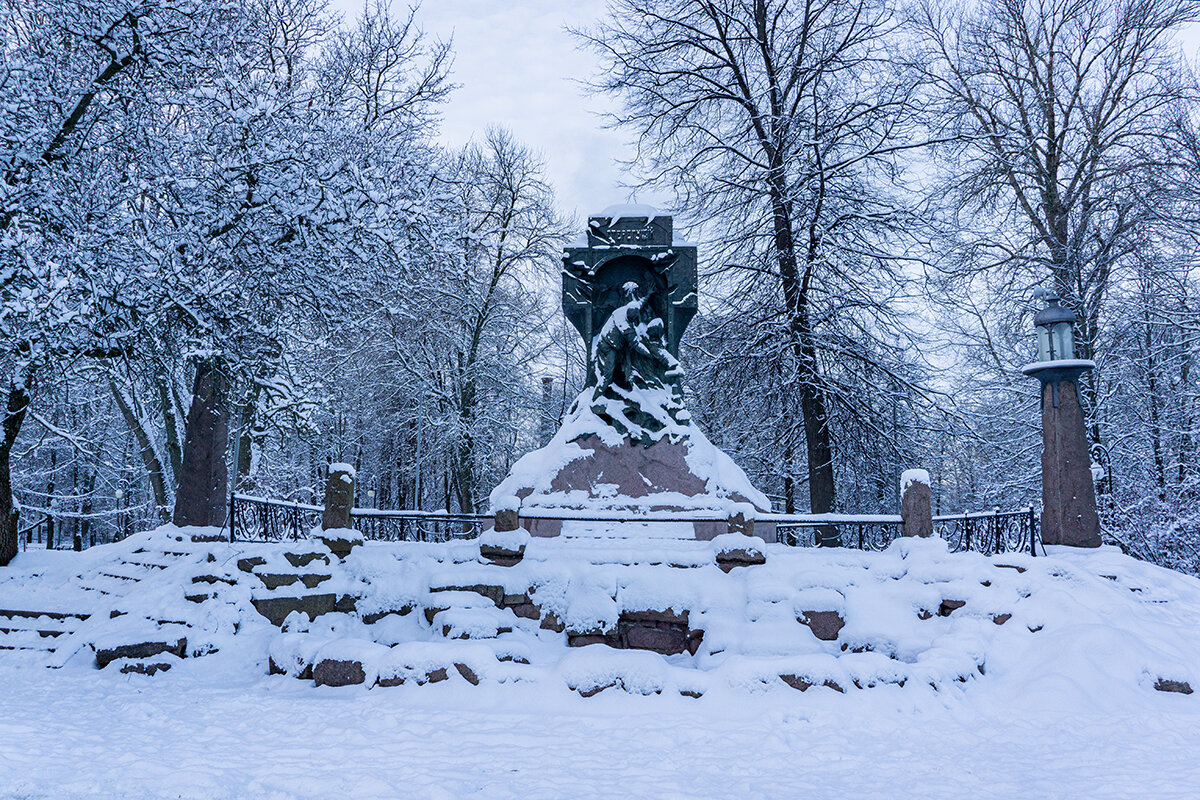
(631, 293)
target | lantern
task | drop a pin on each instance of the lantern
(1055, 331)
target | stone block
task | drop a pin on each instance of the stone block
(340, 545)
(666, 639)
(468, 674)
(916, 508)
(584, 639)
(948, 607)
(506, 519)
(211, 579)
(1000, 619)
(248, 564)
(740, 523)
(796, 682)
(276, 609)
(668, 616)
(493, 593)
(375, 616)
(333, 672)
(339, 498)
(106, 656)
(274, 580)
(551, 622)
(1167, 685)
(299, 560)
(825, 625)
(727, 560)
(141, 668)
(526, 611)
(595, 690)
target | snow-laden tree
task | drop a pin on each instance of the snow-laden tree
(68, 73)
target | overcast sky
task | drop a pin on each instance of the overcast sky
(517, 67)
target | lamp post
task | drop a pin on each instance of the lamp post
(1068, 493)
(371, 498)
(118, 494)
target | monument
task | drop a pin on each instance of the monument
(628, 445)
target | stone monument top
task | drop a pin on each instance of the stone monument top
(630, 291)
(623, 245)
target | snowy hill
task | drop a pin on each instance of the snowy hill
(564, 639)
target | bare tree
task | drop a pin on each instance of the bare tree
(1057, 113)
(770, 120)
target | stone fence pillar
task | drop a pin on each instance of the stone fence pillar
(339, 497)
(916, 508)
(339, 500)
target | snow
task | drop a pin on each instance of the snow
(1061, 363)
(629, 210)
(911, 476)
(1057, 700)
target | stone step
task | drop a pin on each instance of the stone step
(153, 646)
(26, 640)
(277, 609)
(146, 564)
(42, 632)
(273, 580)
(15, 613)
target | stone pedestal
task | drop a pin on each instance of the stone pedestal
(627, 479)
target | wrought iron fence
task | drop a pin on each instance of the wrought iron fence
(261, 520)
(989, 532)
(868, 532)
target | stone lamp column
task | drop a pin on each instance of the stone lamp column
(1068, 494)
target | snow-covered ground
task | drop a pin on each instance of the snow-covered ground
(1068, 711)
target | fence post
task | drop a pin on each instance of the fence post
(232, 514)
(1032, 532)
(916, 508)
(339, 500)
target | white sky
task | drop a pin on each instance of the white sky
(517, 67)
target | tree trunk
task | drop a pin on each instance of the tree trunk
(245, 442)
(16, 406)
(169, 403)
(150, 459)
(200, 499)
(821, 487)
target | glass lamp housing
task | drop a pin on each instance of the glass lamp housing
(1062, 338)
(1043, 344)
(1056, 331)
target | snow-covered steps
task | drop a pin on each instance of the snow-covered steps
(647, 617)
(35, 630)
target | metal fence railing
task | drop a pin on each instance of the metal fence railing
(989, 532)
(261, 520)
(986, 532)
